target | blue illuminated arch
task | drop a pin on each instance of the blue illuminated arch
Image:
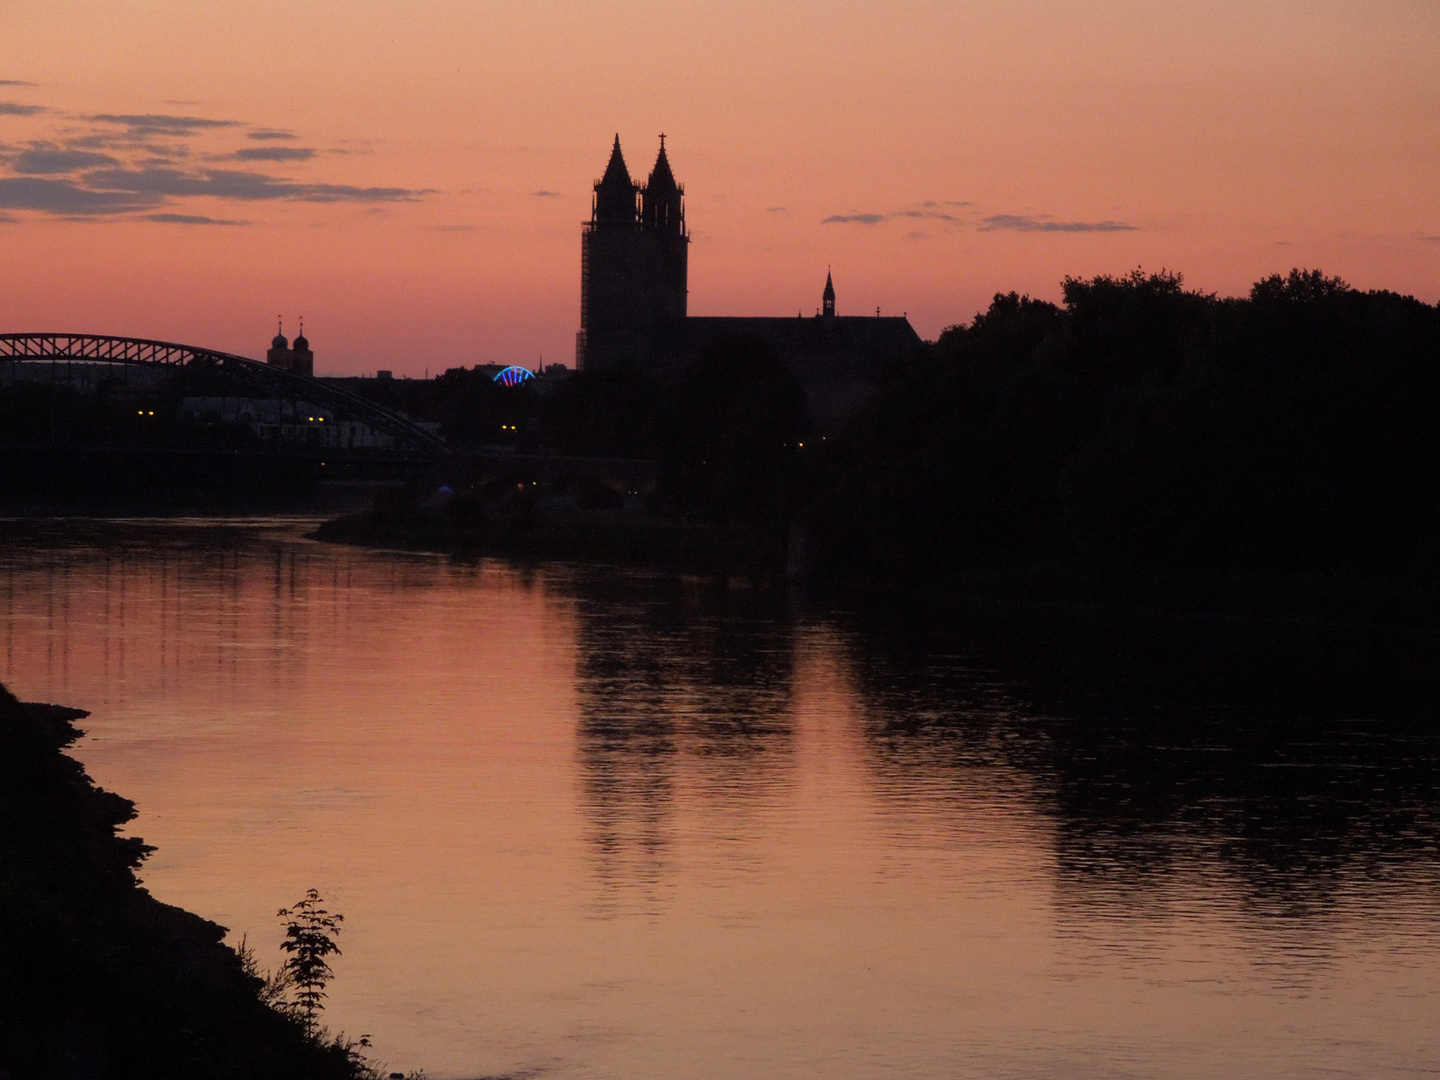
(513, 375)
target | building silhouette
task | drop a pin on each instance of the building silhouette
(634, 295)
(633, 263)
(297, 358)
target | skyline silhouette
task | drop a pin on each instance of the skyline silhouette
(414, 184)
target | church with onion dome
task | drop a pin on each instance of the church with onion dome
(287, 357)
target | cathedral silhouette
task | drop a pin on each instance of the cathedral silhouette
(634, 294)
(634, 256)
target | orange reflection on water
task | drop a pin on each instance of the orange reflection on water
(604, 824)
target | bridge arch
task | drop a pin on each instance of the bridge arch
(141, 352)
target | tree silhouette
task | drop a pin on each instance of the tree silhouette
(1146, 429)
(309, 938)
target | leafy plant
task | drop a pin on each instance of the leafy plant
(310, 934)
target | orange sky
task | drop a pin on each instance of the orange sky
(434, 221)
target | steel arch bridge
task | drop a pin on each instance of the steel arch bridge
(139, 352)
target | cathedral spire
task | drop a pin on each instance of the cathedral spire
(662, 200)
(615, 192)
(616, 172)
(661, 178)
(827, 300)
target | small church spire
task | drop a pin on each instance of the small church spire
(827, 300)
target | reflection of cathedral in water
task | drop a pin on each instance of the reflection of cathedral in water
(681, 703)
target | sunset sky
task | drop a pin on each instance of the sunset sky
(411, 177)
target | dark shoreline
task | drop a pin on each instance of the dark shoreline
(614, 539)
(98, 979)
(1302, 598)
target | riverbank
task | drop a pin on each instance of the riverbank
(1341, 597)
(98, 979)
(618, 537)
(1337, 596)
(325, 498)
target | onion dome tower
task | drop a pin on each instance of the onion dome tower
(297, 358)
(302, 359)
(278, 355)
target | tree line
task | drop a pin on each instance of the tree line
(1141, 423)
(1136, 424)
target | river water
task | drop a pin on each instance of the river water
(591, 823)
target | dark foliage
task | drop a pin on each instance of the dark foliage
(310, 932)
(97, 978)
(723, 433)
(1142, 424)
(729, 435)
(610, 412)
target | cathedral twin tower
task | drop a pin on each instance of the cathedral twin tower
(633, 298)
(633, 264)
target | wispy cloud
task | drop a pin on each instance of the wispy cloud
(543, 194)
(1026, 223)
(273, 153)
(1429, 239)
(937, 215)
(67, 197)
(15, 82)
(191, 219)
(14, 108)
(124, 141)
(930, 210)
(855, 219)
(240, 185)
(51, 160)
(775, 210)
(946, 211)
(160, 123)
(151, 166)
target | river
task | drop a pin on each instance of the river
(584, 822)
